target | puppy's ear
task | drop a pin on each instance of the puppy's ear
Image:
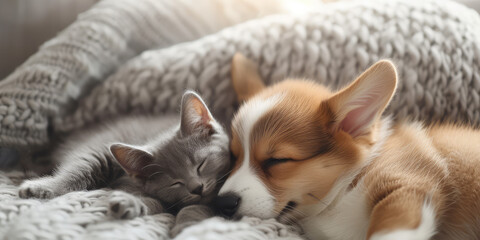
(135, 161)
(358, 106)
(245, 78)
(195, 116)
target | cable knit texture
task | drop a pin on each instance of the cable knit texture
(81, 215)
(83, 76)
(51, 81)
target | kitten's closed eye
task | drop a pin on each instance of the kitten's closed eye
(201, 166)
(177, 184)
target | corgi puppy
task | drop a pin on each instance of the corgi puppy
(330, 162)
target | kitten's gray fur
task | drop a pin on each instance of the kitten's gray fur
(163, 163)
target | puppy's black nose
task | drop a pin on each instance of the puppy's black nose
(227, 204)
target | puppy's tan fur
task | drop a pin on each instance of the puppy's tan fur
(412, 166)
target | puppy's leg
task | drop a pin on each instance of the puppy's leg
(403, 214)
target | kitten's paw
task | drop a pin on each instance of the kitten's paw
(124, 205)
(35, 189)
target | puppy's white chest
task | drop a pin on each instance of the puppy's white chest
(348, 220)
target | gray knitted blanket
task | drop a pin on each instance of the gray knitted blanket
(84, 75)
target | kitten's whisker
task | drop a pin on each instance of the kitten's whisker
(226, 174)
(300, 214)
(178, 202)
(153, 174)
(221, 178)
(151, 165)
(287, 218)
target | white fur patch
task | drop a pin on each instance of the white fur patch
(256, 200)
(424, 232)
(249, 114)
(347, 220)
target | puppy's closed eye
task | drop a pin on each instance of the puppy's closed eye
(274, 161)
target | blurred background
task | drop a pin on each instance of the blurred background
(26, 24)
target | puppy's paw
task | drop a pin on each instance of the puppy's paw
(35, 189)
(124, 205)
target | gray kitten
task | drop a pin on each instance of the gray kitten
(166, 165)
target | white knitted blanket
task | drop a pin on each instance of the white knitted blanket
(435, 44)
(81, 215)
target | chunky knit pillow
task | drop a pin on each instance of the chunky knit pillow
(435, 45)
(50, 82)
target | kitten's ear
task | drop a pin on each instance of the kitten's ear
(195, 116)
(133, 160)
(359, 105)
(245, 78)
